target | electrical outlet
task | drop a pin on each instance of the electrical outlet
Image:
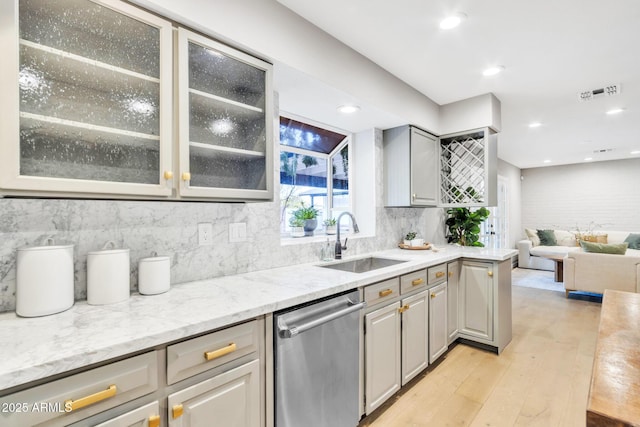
(237, 232)
(205, 234)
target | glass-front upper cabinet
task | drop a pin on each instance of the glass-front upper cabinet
(87, 106)
(225, 121)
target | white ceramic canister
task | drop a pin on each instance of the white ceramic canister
(44, 279)
(108, 275)
(154, 275)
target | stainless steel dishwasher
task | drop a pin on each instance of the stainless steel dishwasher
(317, 363)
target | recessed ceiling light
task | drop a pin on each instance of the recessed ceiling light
(492, 71)
(348, 109)
(452, 21)
(535, 124)
(546, 161)
(635, 152)
(615, 111)
(588, 159)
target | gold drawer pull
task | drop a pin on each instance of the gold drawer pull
(154, 421)
(403, 308)
(177, 411)
(417, 282)
(74, 405)
(186, 176)
(440, 274)
(210, 355)
(490, 274)
(385, 293)
(433, 295)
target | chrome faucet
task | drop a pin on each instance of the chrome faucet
(339, 246)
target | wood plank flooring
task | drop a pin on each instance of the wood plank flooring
(540, 379)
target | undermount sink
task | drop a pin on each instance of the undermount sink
(363, 265)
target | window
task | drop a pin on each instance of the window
(314, 171)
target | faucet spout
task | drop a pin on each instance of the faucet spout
(339, 246)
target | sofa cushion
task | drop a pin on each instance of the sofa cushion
(552, 252)
(547, 238)
(533, 236)
(633, 240)
(604, 248)
(565, 238)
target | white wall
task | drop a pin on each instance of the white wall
(512, 175)
(563, 197)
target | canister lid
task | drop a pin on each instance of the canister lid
(155, 259)
(112, 251)
(48, 244)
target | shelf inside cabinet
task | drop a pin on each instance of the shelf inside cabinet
(208, 150)
(204, 100)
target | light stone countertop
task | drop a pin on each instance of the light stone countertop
(39, 347)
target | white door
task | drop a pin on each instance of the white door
(415, 318)
(423, 164)
(476, 300)
(382, 355)
(438, 336)
(453, 273)
(231, 399)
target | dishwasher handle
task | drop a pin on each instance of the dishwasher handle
(290, 332)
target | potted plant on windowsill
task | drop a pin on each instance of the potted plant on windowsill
(330, 226)
(309, 215)
(297, 227)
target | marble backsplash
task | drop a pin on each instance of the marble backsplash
(170, 228)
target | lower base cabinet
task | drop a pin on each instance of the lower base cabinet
(230, 399)
(453, 278)
(438, 334)
(415, 318)
(382, 361)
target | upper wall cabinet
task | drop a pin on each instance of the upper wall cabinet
(86, 105)
(225, 121)
(457, 170)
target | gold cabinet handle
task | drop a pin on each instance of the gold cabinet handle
(385, 293)
(451, 274)
(433, 295)
(74, 405)
(404, 308)
(440, 274)
(154, 421)
(177, 411)
(490, 273)
(417, 282)
(168, 174)
(186, 176)
(210, 355)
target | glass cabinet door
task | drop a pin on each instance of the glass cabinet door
(92, 92)
(225, 119)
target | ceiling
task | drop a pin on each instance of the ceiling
(551, 51)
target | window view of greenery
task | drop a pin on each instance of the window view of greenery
(314, 177)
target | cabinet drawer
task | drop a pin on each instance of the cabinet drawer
(413, 281)
(382, 291)
(144, 416)
(81, 395)
(437, 274)
(196, 355)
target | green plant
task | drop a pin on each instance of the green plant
(296, 222)
(305, 213)
(410, 235)
(464, 225)
(329, 222)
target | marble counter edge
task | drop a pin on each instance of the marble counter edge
(154, 329)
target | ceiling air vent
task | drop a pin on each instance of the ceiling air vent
(609, 90)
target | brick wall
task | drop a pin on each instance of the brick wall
(566, 197)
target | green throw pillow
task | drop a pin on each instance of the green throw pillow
(604, 248)
(547, 238)
(633, 240)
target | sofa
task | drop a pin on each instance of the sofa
(585, 271)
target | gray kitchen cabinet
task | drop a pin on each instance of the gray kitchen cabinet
(225, 121)
(382, 355)
(485, 302)
(87, 99)
(438, 334)
(453, 279)
(415, 321)
(145, 416)
(228, 399)
(410, 167)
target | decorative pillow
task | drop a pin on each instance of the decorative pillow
(533, 236)
(594, 238)
(604, 248)
(633, 240)
(565, 238)
(547, 238)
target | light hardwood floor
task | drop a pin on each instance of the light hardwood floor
(540, 379)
